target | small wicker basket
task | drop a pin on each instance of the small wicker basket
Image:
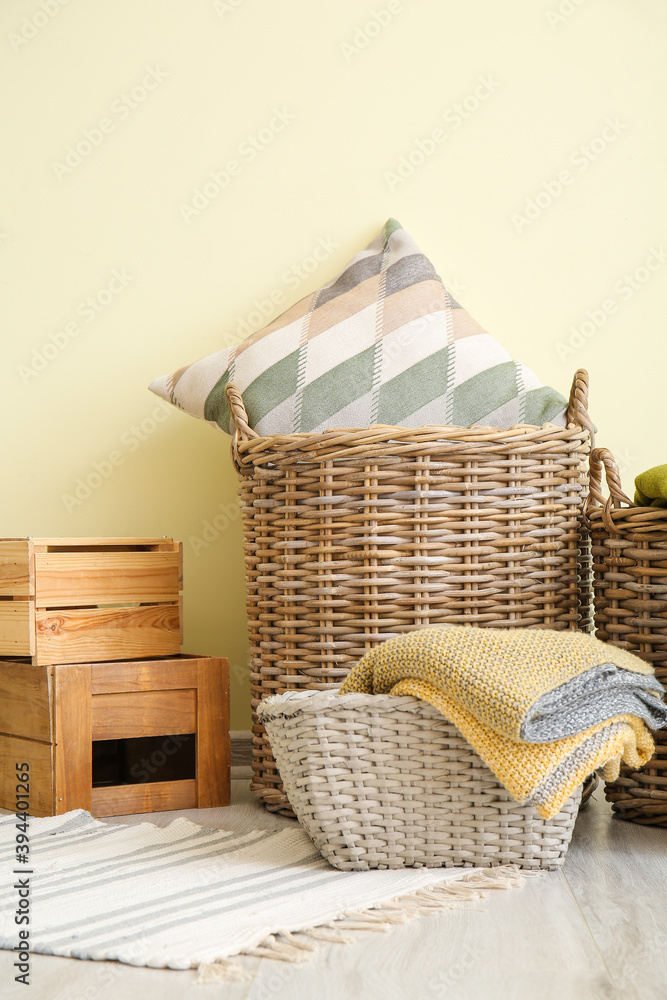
(379, 781)
(629, 546)
(353, 536)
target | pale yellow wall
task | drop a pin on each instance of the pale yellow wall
(553, 80)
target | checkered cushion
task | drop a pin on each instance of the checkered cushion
(383, 342)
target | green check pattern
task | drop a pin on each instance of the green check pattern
(383, 342)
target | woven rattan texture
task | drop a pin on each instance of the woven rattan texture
(629, 547)
(385, 782)
(354, 536)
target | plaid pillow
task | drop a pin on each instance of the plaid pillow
(383, 342)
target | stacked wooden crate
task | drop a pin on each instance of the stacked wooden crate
(90, 637)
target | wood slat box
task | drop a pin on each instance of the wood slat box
(77, 600)
(52, 717)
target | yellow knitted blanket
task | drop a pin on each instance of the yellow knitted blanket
(506, 689)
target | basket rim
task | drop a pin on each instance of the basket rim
(291, 703)
(387, 435)
(366, 446)
(642, 522)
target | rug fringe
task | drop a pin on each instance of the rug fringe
(298, 946)
(438, 897)
(226, 970)
(282, 949)
(329, 934)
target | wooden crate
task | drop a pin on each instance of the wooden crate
(77, 600)
(51, 716)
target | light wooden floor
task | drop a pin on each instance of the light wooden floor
(595, 930)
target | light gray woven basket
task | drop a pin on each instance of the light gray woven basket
(384, 782)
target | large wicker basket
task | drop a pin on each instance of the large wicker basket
(384, 782)
(354, 536)
(630, 579)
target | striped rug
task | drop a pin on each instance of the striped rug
(186, 896)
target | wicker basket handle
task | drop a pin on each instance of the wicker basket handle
(603, 457)
(577, 410)
(242, 429)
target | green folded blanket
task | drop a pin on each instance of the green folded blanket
(651, 487)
